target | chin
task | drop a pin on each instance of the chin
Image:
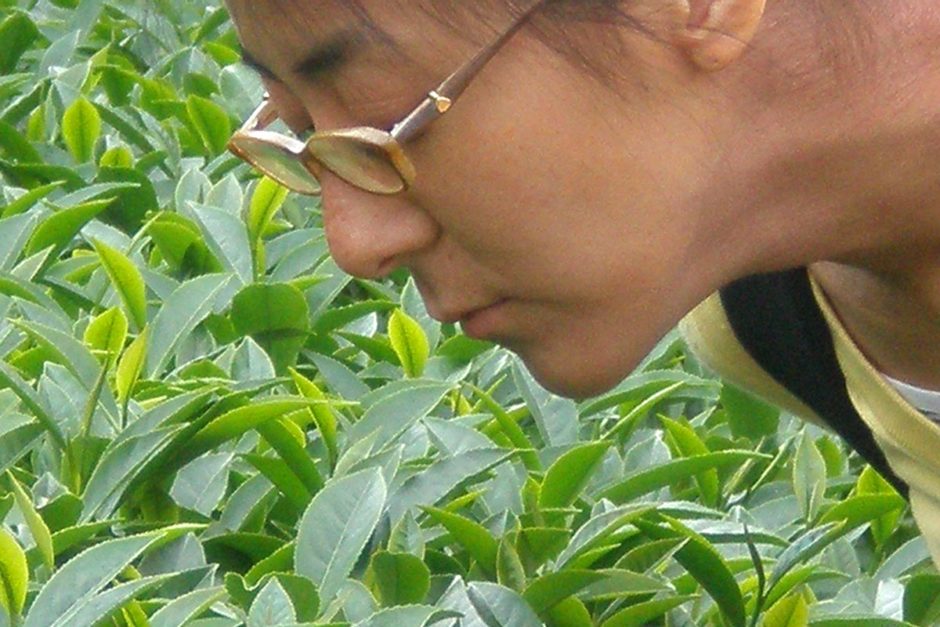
(569, 380)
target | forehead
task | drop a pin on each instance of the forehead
(269, 23)
(357, 46)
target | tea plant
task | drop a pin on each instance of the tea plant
(203, 421)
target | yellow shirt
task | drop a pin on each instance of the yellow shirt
(910, 441)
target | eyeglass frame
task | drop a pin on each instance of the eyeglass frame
(437, 102)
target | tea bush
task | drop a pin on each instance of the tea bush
(203, 421)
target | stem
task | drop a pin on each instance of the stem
(87, 417)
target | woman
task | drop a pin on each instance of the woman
(611, 164)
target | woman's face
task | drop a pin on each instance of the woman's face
(548, 215)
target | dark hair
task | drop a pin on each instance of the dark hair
(555, 24)
(824, 41)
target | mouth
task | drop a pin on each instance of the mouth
(481, 323)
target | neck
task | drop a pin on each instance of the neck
(850, 186)
(847, 169)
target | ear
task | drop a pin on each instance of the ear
(718, 31)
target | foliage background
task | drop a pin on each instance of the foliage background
(203, 421)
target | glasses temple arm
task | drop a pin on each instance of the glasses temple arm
(439, 100)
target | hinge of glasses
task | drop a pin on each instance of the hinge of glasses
(441, 102)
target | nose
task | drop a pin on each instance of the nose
(371, 235)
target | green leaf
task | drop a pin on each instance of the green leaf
(569, 613)
(201, 484)
(549, 590)
(211, 122)
(922, 599)
(335, 528)
(272, 607)
(671, 472)
(804, 546)
(809, 477)
(37, 526)
(127, 280)
(17, 32)
(498, 605)
(394, 414)
(65, 539)
(117, 157)
(17, 442)
(237, 422)
(225, 235)
(289, 440)
(689, 444)
(26, 202)
(66, 349)
(410, 343)
(537, 545)
(181, 245)
(267, 199)
(72, 588)
(107, 333)
(567, 477)
(62, 226)
(134, 200)
(598, 529)
(791, 611)
(337, 317)
(854, 620)
(14, 574)
(276, 316)
(187, 607)
(626, 424)
(509, 569)
(748, 416)
(322, 414)
(81, 128)
(281, 560)
(278, 472)
(15, 146)
(412, 615)
(706, 565)
(858, 510)
(399, 578)
(131, 365)
(511, 430)
(432, 485)
(471, 535)
(109, 602)
(871, 483)
(646, 612)
(10, 379)
(185, 308)
(303, 595)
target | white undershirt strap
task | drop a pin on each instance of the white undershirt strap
(928, 401)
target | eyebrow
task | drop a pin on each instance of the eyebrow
(323, 61)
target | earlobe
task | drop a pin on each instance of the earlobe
(719, 31)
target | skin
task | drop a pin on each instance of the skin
(605, 213)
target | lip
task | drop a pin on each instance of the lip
(481, 323)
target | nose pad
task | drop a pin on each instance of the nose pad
(371, 235)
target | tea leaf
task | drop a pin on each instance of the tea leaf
(567, 477)
(335, 528)
(400, 578)
(211, 122)
(410, 343)
(472, 536)
(37, 526)
(81, 128)
(14, 574)
(127, 280)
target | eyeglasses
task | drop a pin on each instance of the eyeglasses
(365, 157)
